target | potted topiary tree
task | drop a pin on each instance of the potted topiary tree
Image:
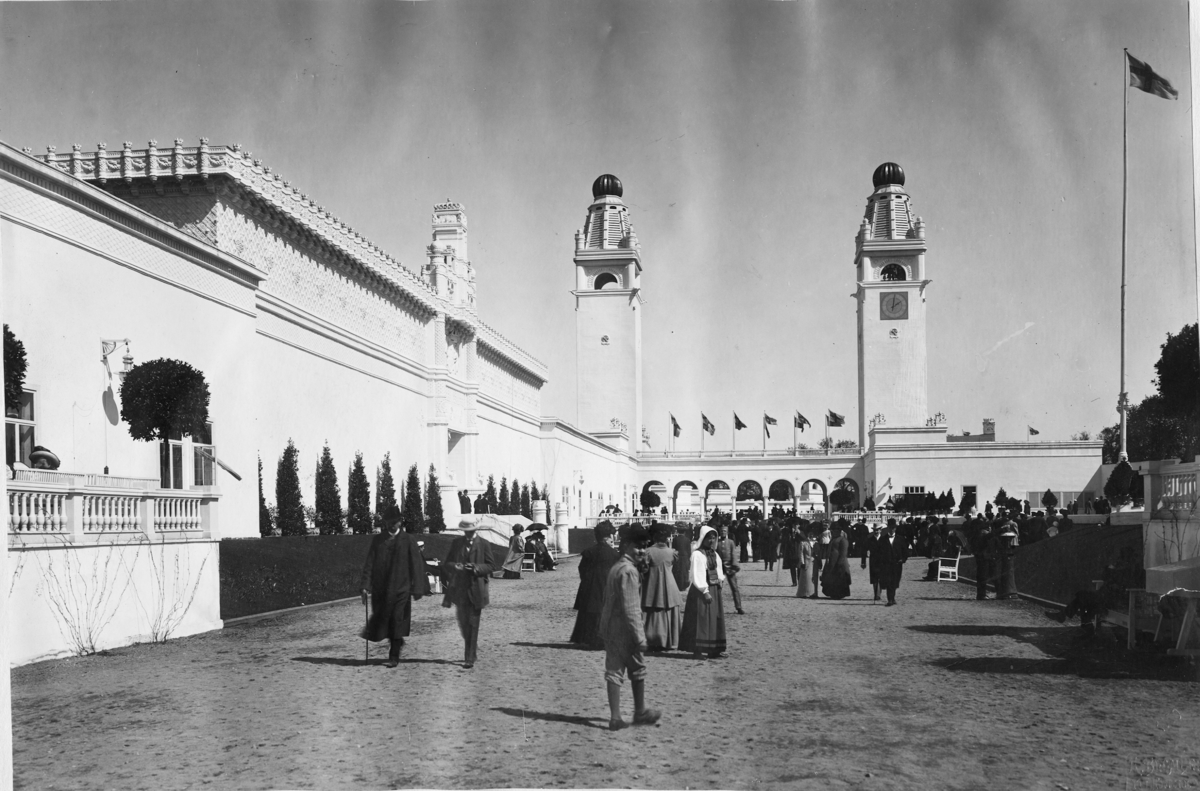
(164, 399)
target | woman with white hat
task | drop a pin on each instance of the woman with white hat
(704, 614)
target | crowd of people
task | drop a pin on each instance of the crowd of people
(661, 587)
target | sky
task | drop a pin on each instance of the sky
(745, 134)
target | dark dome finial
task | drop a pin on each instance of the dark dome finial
(888, 173)
(607, 184)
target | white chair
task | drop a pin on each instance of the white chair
(947, 569)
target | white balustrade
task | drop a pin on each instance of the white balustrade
(175, 514)
(36, 512)
(106, 513)
(65, 508)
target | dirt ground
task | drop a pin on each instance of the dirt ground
(939, 692)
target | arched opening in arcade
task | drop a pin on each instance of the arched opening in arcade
(813, 497)
(717, 494)
(781, 495)
(685, 498)
(651, 501)
(845, 495)
(750, 501)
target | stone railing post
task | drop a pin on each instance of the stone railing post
(73, 511)
(146, 506)
(208, 518)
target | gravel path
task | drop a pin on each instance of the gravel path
(939, 692)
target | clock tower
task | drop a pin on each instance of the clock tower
(890, 262)
(608, 319)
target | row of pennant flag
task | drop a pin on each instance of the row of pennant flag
(832, 420)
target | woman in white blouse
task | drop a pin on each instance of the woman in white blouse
(704, 615)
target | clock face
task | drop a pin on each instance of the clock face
(893, 305)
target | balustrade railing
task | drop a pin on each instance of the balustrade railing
(749, 454)
(62, 506)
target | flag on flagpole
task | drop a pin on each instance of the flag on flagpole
(768, 421)
(1033, 431)
(707, 425)
(801, 421)
(1142, 77)
(833, 419)
(738, 425)
(675, 429)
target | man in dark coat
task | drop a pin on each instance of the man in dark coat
(393, 577)
(594, 564)
(743, 539)
(892, 551)
(981, 547)
(727, 552)
(682, 544)
(465, 574)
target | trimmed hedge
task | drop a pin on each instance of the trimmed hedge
(265, 574)
(1055, 568)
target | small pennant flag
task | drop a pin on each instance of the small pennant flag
(800, 422)
(707, 425)
(1142, 77)
(675, 429)
(768, 421)
(833, 419)
(738, 425)
(1033, 431)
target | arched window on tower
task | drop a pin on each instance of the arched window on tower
(608, 279)
(893, 272)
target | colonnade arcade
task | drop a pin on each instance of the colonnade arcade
(700, 496)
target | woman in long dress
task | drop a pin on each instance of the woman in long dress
(661, 601)
(516, 554)
(835, 578)
(804, 582)
(704, 614)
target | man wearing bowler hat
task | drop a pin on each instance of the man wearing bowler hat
(393, 577)
(465, 575)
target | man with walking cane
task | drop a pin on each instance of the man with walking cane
(393, 577)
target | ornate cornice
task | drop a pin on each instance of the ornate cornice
(184, 168)
(510, 351)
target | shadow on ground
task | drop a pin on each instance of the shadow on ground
(587, 722)
(344, 662)
(1068, 652)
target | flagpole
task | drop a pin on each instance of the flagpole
(1121, 397)
(827, 443)
(735, 432)
(703, 431)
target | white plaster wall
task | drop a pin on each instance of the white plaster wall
(313, 391)
(61, 299)
(128, 586)
(608, 476)
(894, 369)
(608, 374)
(509, 446)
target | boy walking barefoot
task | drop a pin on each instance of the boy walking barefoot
(622, 630)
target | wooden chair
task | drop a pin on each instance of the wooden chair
(948, 569)
(527, 562)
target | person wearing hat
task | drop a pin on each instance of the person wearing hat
(704, 614)
(727, 550)
(980, 539)
(465, 575)
(804, 586)
(393, 578)
(1006, 582)
(594, 565)
(820, 553)
(516, 554)
(869, 557)
(623, 632)
(537, 543)
(835, 579)
(893, 551)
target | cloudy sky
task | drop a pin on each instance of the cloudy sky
(745, 134)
